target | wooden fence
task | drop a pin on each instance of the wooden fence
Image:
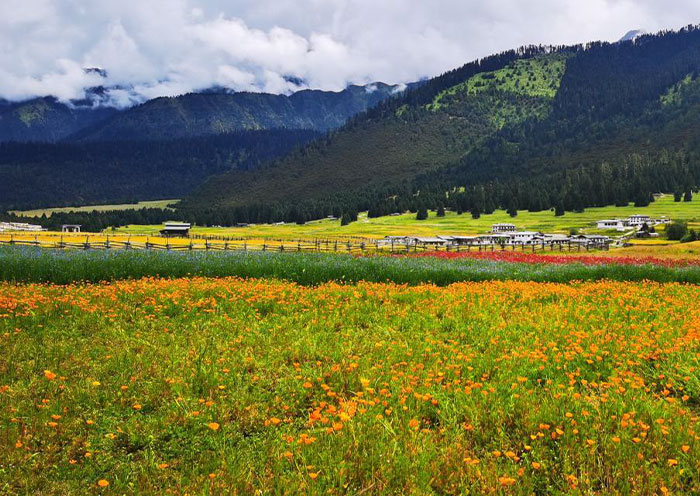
(265, 245)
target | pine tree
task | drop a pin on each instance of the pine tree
(422, 214)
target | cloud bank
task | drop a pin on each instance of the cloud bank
(169, 47)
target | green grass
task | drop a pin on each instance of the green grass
(452, 223)
(64, 267)
(97, 208)
(538, 77)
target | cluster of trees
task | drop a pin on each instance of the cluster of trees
(633, 180)
(678, 231)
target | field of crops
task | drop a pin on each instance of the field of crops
(231, 386)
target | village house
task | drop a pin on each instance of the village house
(503, 228)
(613, 224)
(633, 222)
(19, 226)
(70, 228)
(176, 229)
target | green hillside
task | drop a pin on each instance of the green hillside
(564, 128)
(46, 119)
(412, 141)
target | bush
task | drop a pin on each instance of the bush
(422, 214)
(676, 230)
(690, 236)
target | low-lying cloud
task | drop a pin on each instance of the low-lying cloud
(169, 47)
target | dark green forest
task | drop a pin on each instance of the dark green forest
(65, 174)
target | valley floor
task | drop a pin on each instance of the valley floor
(451, 224)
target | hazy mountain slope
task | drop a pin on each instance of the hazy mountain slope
(201, 114)
(46, 119)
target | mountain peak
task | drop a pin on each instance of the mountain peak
(633, 35)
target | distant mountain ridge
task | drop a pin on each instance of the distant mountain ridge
(207, 113)
(203, 114)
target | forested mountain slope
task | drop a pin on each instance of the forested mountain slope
(557, 128)
(66, 174)
(47, 119)
(210, 113)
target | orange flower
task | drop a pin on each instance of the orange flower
(213, 426)
(103, 483)
(536, 465)
(313, 475)
(49, 375)
(672, 462)
(413, 424)
(685, 448)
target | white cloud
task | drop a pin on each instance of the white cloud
(168, 47)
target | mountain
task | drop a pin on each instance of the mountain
(68, 174)
(163, 148)
(537, 128)
(46, 119)
(210, 113)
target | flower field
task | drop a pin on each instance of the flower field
(242, 386)
(535, 258)
(63, 267)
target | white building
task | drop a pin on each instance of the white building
(640, 220)
(613, 224)
(19, 226)
(503, 228)
(524, 237)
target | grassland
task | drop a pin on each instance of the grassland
(201, 386)
(97, 208)
(452, 223)
(538, 76)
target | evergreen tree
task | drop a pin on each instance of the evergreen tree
(422, 214)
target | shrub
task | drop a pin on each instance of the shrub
(676, 230)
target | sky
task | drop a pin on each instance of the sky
(152, 48)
